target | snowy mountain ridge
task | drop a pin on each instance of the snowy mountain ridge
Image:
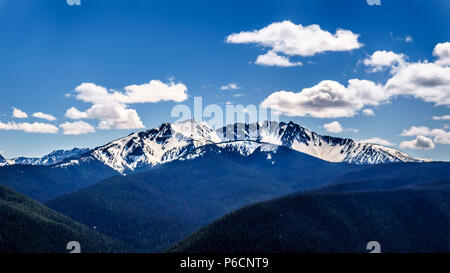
(170, 142)
(181, 140)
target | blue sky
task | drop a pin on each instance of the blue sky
(49, 48)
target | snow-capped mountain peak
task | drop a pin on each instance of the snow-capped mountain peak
(169, 142)
(155, 146)
(328, 148)
(181, 140)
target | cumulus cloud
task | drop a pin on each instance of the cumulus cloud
(154, 91)
(330, 99)
(444, 117)
(368, 112)
(111, 116)
(420, 143)
(17, 113)
(333, 127)
(415, 131)
(36, 127)
(439, 135)
(44, 116)
(111, 106)
(273, 59)
(295, 40)
(77, 128)
(442, 53)
(291, 39)
(230, 86)
(425, 81)
(380, 60)
(377, 140)
(74, 113)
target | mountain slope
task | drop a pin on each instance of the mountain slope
(328, 148)
(2, 161)
(46, 182)
(163, 144)
(168, 142)
(401, 221)
(50, 159)
(391, 176)
(30, 227)
(154, 209)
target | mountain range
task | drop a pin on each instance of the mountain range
(170, 142)
(149, 190)
(153, 209)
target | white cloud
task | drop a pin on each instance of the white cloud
(442, 53)
(445, 117)
(291, 39)
(74, 113)
(36, 127)
(273, 59)
(438, 135)
(380, 60)
(441, 136)
(328, 99)
(111, 106)
(111, 116)
(17, 113)
(295, 40)
(152, 92)
(420, 143)
(333, 127)
(44, 116)
(426, 81)
(416, 131)
(77, 128)
(368, 112)
(230, 86)
(377, 140)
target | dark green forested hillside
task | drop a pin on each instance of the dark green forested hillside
(45, 182)
(392, 176)
(30, 227)
(401, 221)
(154, 209)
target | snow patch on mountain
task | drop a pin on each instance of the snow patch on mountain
(50, 159)
(186, 140)
(155, 146)
(2, 161)
(176, 141)
(328, 148)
